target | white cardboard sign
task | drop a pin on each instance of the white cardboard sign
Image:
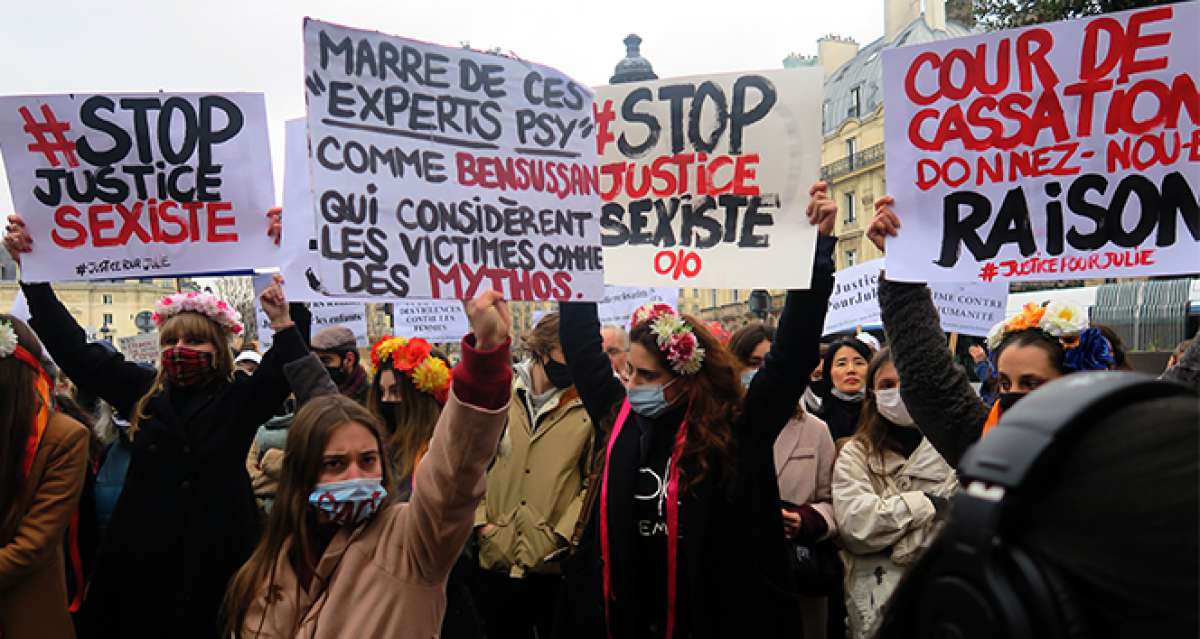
(139, 185)
(705, 179)
(440, 172)
(1058, 151)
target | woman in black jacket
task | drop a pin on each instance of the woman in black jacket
(683, 537)
(186, 519)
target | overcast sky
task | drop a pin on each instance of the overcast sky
(61, 46)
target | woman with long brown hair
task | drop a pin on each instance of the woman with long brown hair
(411, 384)
(684, 536)
(43, 459)
(186, 518)
(888, 484)
(341, 554)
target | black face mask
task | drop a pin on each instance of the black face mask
(1008, 400)
(338, 375)
(558, 374)
(389, 415)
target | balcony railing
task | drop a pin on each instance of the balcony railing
(865, 158)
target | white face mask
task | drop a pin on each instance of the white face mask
(891, 406)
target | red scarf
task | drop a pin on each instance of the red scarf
(42, 385)
(672, 521)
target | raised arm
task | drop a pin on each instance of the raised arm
(601, 392)
(776, 389)
(450, 480)
(937, 393)
(94, 369)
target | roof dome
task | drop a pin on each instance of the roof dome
(633, 68)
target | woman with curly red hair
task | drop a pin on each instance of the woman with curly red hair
(684, 536)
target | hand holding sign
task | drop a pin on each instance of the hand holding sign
(822, 210)
(491, 320)
(885, 224)
(16, 238)
(275, 224)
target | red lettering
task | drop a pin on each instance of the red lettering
(215, 222)
(1033, 60)
(99, 224)
(65, 218)
(910, 79)
(130, 224)
(1134, 41)
(744, 172)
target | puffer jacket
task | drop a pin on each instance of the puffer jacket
(884, 520)
(536, 486)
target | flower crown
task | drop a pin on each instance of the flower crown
(1086, 348)
(414, 357)
(206, 304)
(675, 337)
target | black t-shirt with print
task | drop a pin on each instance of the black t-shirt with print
(650, 521)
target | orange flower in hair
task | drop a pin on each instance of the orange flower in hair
(411, 354)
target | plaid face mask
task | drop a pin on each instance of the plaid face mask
(187, 366)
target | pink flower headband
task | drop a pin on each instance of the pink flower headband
(206, 304)
(675, 337)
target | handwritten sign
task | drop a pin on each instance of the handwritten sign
(1060, 151)
(433, 320)
(441, 172)
(139, 185)
(705, 179)
(140, 348)
(620, 302)
(324, 315)
(967, 309)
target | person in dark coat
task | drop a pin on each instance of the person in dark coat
(186, 519)
(337, 348)
(684, 534)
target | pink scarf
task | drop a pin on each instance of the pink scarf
(672, 521)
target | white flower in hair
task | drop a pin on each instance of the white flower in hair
(995, 336)
(8, 339)
(666, 326)
(1064, 319)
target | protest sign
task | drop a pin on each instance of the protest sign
(442, 172)
(324, 315)
(620, 302)
(20, 307)
(139, 185)
(1058, 151)
(297, 206)
(140, 348)
(705, 179)
(433, 320)
(965, 308)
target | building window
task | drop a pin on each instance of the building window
(855, 102)
(825, 112)
(107, 298)
(851, 212)
(713, 298)
(851, 257)
(108, 318)
(851, 149)
(737, 295)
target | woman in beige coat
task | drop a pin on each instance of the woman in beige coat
(804, 455)
(43, 458)
(888, 486)
(341, 556)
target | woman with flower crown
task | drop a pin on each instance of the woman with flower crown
(683, 535)
(1037, 345)
(186, 519)
(43, 460)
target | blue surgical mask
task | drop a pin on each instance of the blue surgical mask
(648, 400)
(348, 502)
(748, 376)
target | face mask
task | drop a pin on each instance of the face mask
(187, 366)
(748, 377)
(648, 400)
(812, 401)
(349, 502)
(1008, 400)
(389, 415)
(558, 374)
(337, 375)
(847, 397)
(892, 407)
